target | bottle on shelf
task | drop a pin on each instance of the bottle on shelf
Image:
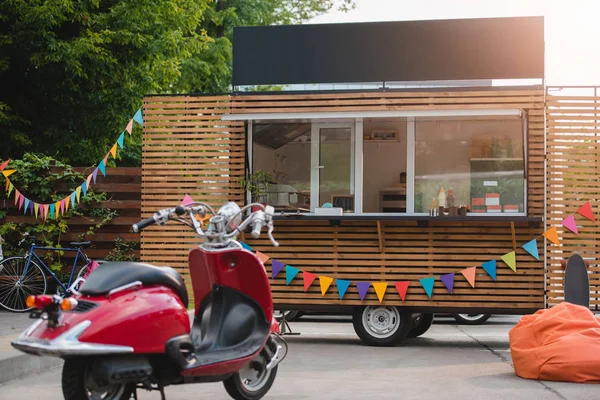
(442, 198)
(450, 200)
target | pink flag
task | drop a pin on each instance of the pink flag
(187, 200)
(87, 182)
(129, 126)
(17, 195)
(62, 206)
(570, 224)
(21, 202)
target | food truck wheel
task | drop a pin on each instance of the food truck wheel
(421, 325)
(471, 319)
(381, 325)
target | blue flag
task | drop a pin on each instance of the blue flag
(490, 268)
(102, 168)
(120, 140)
(290, 273)
(138, 117)
(532, 248)
(245, 246)
(342, 285)
(427, 284)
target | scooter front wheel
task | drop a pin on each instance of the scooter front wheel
(251, 382)
(78, 384)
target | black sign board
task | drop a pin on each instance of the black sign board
(460, 49)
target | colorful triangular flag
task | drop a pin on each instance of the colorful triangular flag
(308, 279)
(532, 248)
(51, 206)
(84, 188)
(187, 200)
(17, 196)
(46, 210)
(363, 288)
(402, 288)
(380, 288)
(113, 151)
(57, 208)
(552, 235)
(342, 285)
(78, 192)
(427, 284)
(7, 184)
(88, 181)
(31, 208)
(129, 127)
(73, 198)
(262, 257)
(4, 164)
(121, 140)
(276, 267)
(10, 189)
(95, 174)
(469, 274)
(138, 117)
(67, 201)
(510, 259)
(102, 167)
(8, 172)
(585, 211)
(290, 273)
(36, 207)
(448, 281)
(570, 224)
(325, 282)
(246, 246)
(21, 201)
(62, 206)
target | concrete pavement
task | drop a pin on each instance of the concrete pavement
(328, 362)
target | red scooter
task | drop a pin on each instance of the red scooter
(127, 326)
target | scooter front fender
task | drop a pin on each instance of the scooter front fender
(139, 321)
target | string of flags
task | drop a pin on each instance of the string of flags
(427, 283)
(53, 210)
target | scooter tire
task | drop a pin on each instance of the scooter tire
(235, 388)
(73, 381)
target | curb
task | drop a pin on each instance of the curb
(21, 366)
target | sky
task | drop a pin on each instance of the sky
(572, 27)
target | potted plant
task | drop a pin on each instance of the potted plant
(257, 184)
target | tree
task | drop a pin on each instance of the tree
(73, 73)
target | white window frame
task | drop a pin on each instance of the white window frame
(355, 121)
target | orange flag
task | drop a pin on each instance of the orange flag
(552, 235)
(469, 275)
(262, 257)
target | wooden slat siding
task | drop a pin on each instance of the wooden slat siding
(352, 251)
(122, 186)
(573, 141)
(187, 149)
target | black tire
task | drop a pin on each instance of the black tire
(381, 325)
(422, 325)
(74, 375)
(471, 319)
(13, 297)
(240, 391)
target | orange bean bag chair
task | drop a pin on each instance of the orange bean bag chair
(561, 343)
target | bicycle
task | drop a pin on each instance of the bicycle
(21, 277)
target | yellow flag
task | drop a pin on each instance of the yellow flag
(510, 260)
(56, 209)
(113, 151)
(78, 193)
(380, 288)
(8, 172)
(36, 207)
(325, 282)
(10, 188)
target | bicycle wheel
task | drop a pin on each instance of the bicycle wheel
(15, 287)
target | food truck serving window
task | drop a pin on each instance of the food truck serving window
(407, 165)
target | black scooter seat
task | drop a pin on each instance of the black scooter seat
(111, 275)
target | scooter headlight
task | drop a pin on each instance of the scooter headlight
(231, 213)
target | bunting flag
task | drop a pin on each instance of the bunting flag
(129, 127)
(245, 246)
(36, 207)
(325, 282)
(290, 273)
(510, 260)
(94, 175)
(84, 187)
(26, 205)
(4, 164)
(88, 182)
(585, 211)
(78, 193)
(363, 288)
(402, 288)
(51, 211)
(380, 288)
(187, 200)
(102, 167)
(21, 202)
(8, 172)
(62, 206)
(570, 224)
(532, 248)
(121, 140)
(10, 189)
(73, 198)
(17, 196)
(342, 285)
(262, 257)
(469, 274)
(113, 151)
(427, 284)
(67, 200)
(552, 235)
(276, 267)
(7, 185)
(448, 281)
(308, 279)
(138, 117)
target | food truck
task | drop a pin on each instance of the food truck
(416, 167)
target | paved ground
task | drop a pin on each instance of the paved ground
(328, 362)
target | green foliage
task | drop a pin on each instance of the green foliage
(257, 184)
(73, 73)
(123, 251)
(37, 178)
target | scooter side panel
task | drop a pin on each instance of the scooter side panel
(238, 269)
(142, 319)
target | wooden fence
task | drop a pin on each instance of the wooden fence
(573, 174)
(122, 187)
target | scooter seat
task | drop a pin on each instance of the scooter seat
(111, 275)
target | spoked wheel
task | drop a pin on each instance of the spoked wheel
(15, 286)
(251, 382)
(471, 319)
(78, 383)
(381, 325)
